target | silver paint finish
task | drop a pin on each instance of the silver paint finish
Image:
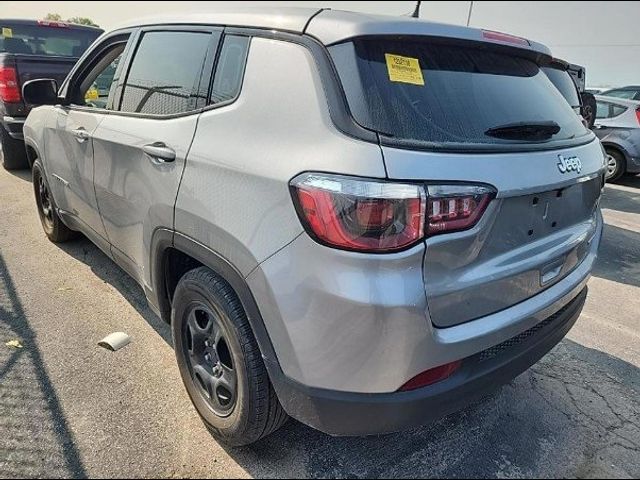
(292, 19)
(235, 194)
(334, 26)
(136, 191)
(70, 156)
(338, 320)
(360, 322)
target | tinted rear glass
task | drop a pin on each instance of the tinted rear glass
(564, 83)
(44, 40)
(465, 92)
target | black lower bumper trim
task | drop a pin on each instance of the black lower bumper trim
(342, 414)
(13, 127)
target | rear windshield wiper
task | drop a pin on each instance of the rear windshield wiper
(525, 130)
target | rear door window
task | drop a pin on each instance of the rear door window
(609, 110)
(165, 73)
(453, 95)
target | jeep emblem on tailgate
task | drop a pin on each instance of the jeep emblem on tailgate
(568, 164)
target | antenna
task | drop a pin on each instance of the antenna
(416, 12)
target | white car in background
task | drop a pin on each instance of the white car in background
(617, 126)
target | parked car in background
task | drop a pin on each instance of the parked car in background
(618, 127)
(631, 92)
(32, 49)
(337, 227)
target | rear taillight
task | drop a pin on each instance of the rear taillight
(431, 376)
(9, 89)
(382, 216)
(638, 114)
(451, 208)
(357, 214)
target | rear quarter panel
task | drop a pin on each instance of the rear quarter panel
(234, 196)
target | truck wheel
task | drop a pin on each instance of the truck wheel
(52, 225)
(615, 165)
(220, 361)
(14, 153)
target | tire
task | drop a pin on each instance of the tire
(589, 107)
(230, 388)
(14, 153)
(616, 165)
(52, 225)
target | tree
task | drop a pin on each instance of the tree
(83, 21)
(56, 17)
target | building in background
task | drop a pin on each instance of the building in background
(599, 35)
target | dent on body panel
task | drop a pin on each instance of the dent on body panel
(235, 196)
(342, 320)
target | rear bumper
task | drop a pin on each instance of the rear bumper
(14, 126)
(340, 413)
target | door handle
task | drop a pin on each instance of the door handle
(160, 152)
(81, 135)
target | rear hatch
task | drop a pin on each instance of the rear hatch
(514, 177)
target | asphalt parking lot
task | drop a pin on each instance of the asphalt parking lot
(70, 408)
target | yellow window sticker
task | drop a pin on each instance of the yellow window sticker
(92, 94)
(7, 32)
(404, 69)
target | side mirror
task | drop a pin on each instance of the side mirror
(41, 92)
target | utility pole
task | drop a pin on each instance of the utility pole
(470, 10)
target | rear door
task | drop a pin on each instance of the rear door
(140, 151)
(513, 176)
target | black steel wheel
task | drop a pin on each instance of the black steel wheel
(210, 361)
(52, 225)
(220, 361)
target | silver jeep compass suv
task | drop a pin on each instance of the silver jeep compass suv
(361, 222)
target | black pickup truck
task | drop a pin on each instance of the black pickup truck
(32, 49)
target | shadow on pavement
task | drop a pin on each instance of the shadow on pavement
(619, 257)
(35, 440)
(107, 270)
(630, 181)
(573, 414)
(24, 174)
(621, 200)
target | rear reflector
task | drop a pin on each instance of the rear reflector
(431, 376)
(504, 38)
(9, 90)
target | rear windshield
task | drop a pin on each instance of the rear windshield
(564, 83)
(448, 96)
(45, 40)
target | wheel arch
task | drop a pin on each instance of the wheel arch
(618, 148)
(165, 244)
(33, 152)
